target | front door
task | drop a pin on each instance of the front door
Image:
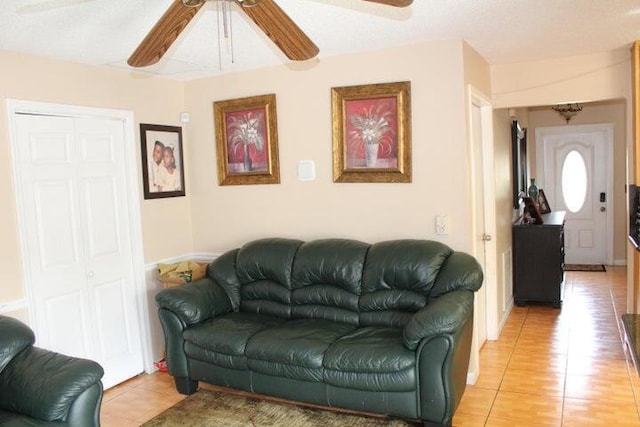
(77, 240)
(574, 174)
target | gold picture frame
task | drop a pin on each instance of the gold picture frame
(247, 140)
(372, 133)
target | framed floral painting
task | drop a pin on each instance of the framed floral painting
(372, 133)
(162, 161)
(247, 141)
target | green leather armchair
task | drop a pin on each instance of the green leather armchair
(43, 388)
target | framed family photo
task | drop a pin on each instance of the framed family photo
(372, 133)
(247, 140)
(162, 161)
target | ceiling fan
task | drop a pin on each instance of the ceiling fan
(271, 19)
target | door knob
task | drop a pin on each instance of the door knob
(602, 209)
(486, 237)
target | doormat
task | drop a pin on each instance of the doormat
(584, 267)
(212, 409)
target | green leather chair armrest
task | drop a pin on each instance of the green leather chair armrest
(46, 386)
(443, 315)
(15, 337)
(196, 301)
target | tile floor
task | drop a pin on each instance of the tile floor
(550, 367)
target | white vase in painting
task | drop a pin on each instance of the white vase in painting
(371, 154)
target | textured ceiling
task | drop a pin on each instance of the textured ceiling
(106, 32)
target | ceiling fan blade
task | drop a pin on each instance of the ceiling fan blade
(280, 28)
(163, 34)
(396, 3)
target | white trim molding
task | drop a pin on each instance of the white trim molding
(11, 306)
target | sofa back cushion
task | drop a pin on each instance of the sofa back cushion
(327, 280)
(264, 275)
(347, 281)
(398, 278)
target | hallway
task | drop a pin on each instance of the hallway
(559, 367)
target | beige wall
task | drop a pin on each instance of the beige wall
(227, 216)
(608, 112)
(476, 70)
(582, 78)
(166, 223)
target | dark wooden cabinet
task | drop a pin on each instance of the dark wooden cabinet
(538, 261)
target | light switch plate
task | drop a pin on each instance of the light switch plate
(442, 225)
(306, 170)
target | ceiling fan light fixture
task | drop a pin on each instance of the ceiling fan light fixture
(248, 3)
(193, 3)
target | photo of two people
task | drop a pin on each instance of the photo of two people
(163, 171)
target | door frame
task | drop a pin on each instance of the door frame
(490, 315)
(20, 107)
(608, 129)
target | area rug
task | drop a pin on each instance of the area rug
(584, 267)
(207, 408)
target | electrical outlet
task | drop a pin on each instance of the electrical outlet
(442, 225)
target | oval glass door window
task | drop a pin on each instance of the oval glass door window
(574, 181)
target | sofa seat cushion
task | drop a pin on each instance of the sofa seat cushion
(223, 340)
(372, 359)
(294, 349)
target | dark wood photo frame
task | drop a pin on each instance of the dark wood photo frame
(162, 161)
(543, 204)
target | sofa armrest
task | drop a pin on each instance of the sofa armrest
(196, 301)
(15, 337)
(443, 315)
(85, 410)
(45, 385)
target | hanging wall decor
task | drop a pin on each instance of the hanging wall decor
(247, 140)
(162, 161)
(372, 133)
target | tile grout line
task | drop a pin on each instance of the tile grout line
(513, 349)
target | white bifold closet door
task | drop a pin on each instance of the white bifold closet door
(77, 247)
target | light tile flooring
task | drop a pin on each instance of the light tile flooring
(550, 367)
(563, 367)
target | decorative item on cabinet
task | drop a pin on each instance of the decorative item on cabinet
(543, 204)
(533, 189)
(531, 213)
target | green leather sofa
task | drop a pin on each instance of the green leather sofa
(383, 328)
(42, 388)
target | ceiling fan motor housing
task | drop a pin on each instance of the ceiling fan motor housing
(266, 14)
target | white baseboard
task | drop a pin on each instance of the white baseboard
(620, 262)
(472, 377)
